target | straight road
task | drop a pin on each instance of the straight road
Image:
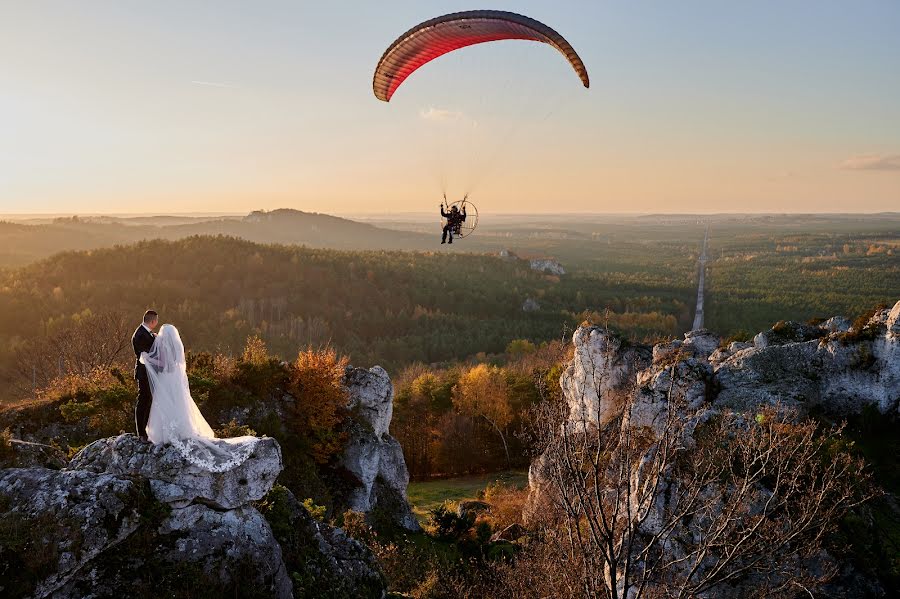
(698, 315)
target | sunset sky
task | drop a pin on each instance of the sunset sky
(695, 106)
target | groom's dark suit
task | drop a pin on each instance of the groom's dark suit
(142, 341)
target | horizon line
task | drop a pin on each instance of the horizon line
(388, 214)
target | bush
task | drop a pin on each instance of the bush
(6, 452)
(103, 397)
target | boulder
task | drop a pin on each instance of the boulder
(372, 455)
(701, 342)
(25, 454)
(178, 482)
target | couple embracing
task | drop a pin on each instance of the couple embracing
(165, 412)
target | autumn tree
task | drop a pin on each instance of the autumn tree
(316, 382)
(482, 393)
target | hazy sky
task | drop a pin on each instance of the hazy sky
(695, 106)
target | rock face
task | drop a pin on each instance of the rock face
(599, 378)
(373, 456)
(125, 514)
(831, 368)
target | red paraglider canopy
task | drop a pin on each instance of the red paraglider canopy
(436, 37)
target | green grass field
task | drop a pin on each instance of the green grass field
(425, 496)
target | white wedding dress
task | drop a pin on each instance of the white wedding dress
(175, 418)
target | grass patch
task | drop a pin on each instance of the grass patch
(427, 495)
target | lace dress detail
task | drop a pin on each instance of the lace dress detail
(213, 455)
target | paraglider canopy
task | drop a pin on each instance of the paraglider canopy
(436, 37)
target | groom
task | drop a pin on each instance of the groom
(142, 341)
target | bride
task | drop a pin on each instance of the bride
(175, 418)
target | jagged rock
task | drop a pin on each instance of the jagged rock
(701, 342)
(666, 351)
(837, 324)
(472, 507)
(176, 481)
(788, 332)
(548, 265)
(372, 396)
(599, 378)
(687, 379)
(373, 456)
(892, 323)
(93, 533)
(25, 454)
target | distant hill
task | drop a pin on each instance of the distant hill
(22, 244)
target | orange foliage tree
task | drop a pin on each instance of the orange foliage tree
(316, 381)
(482, 393)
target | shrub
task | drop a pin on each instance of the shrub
(316, 511)
(6, 452)
(234, 429)
(103, 397)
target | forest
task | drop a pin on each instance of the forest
(390, 308)
(398, 308)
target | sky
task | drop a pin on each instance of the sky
(695, 106)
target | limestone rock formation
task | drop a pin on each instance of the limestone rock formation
(125, 513)
(177, 482)
(373, 456)
(832, 368)
(548, 265)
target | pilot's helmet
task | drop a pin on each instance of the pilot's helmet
(455, 209)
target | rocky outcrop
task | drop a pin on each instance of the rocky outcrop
(600, 377)
(832, 368)
(179, 483)
(373, 456)
(547, 265)
(126, 513)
